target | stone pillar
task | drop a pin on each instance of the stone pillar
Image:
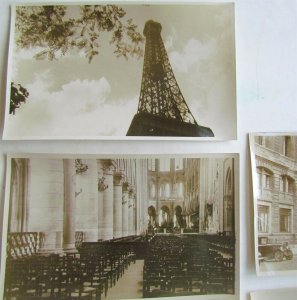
(131, 230)
(125, 209)
(69, 204)
(188, 221)
(18, 213)
(117, 204)
(101, 188)
(87, 199)
(107, 224)
(46, 201)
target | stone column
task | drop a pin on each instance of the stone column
(18, 213)
(101, 188)
(117, 204)
(87, 199)
(188, 221)
(69, 204)
(131, 230)
(45, 201)
(125, 209)
(107, 224)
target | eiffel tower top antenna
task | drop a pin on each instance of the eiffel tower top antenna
(162, 109)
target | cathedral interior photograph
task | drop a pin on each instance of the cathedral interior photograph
(120, 227)
(129, 71)
(275, 198)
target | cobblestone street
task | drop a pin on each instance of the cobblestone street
(285, 265)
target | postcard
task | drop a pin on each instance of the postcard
(124, 227)
(274, 169)
(122, 72)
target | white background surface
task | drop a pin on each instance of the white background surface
(266, 47)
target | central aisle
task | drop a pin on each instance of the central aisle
(130, 285)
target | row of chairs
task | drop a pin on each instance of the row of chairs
(190, 267)
(47, 277)
(84, 275)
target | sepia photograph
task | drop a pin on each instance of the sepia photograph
(122, 72)
(274, 172)
(274, 294)
(99, 227)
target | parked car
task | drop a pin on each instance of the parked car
(275, 251)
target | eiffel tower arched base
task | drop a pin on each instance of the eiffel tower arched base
(145, 124)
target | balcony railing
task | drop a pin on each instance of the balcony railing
(276, 157)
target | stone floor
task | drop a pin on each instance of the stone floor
(130, 285)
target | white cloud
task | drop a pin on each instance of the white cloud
(79, 108)
(193, 52)
(26, 53)
(168, 42)
(84, 96)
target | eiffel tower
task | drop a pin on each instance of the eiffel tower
(162, 109)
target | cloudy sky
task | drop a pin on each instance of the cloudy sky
(71, 98)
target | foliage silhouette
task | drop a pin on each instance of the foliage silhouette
(18, 94)
(54, 29)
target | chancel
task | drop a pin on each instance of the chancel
(120, 228)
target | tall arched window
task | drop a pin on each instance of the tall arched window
(153, 190)
(179, 164)
(265, 178)
(165, 164)
(167, 190)
(228, 202)
(287, 184)
(180, 189)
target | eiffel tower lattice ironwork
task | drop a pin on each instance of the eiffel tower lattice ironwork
(162, 109)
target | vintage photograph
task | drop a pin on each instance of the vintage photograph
(101, 227)
(274, 294)
(122, 71)
(274, 171)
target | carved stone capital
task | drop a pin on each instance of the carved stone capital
(131, 191)
(124, 200)
(102, 186)
(131, 202)
(108, 166)
(118, 178)
(125, 186)
(80, 166)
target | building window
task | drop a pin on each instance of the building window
(291, 184)
(180, 189)
(287, 145)
(263, 219)
(260, 140)
(264, 178)
(267, 179)
(285, 220)
(153, 190)
(167, 190)
(178, 164)
(165, 164)
(287, 184)
(152, 165)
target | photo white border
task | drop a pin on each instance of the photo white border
(275, 294)
(236, 170)
(11, 46)
(255, 201)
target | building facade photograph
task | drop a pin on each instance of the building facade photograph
(276, 201)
